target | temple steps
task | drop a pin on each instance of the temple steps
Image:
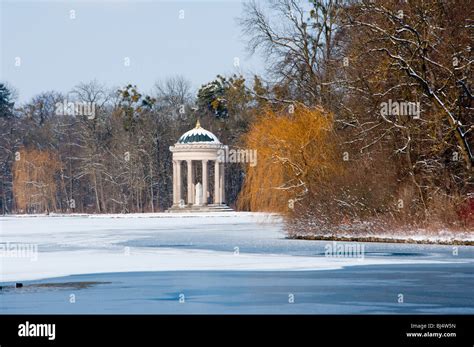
(205, 208)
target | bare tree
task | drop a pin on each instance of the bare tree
(298, 39)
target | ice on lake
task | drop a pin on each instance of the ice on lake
(230, 263)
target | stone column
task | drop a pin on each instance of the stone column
(222, 185)
(205, 187)
(175, 195)
(193, 185)
(217, 193)
(178, 180)
(190, 182)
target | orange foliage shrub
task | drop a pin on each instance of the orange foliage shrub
(296, 154)
(34, 185)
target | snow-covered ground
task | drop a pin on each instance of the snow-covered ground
(220, 263)
(89, 244)
(413, 236)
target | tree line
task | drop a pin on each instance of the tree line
(363, 117)
(115, 159)
(394, 81)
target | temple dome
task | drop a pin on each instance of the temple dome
(198, 135)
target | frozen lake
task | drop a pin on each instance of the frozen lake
(237, 263)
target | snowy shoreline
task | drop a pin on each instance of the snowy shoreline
(252, 242)
(147, 215)
(445, 240)
(421, 236)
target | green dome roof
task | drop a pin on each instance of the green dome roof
(198, 135)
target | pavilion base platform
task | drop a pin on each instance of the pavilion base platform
(202, 208)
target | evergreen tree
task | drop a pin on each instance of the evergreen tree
(6, 104)
(211, 96)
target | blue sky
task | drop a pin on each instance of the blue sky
(57, 52)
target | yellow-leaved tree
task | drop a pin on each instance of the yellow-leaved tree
(34, 184)
(296, 155)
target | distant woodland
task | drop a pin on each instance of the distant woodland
(364, 117)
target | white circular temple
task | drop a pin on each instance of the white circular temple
(196, 146)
